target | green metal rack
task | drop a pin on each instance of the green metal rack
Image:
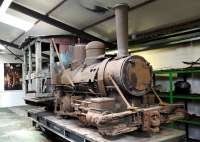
(183, 97)
(170, 73)
(188, 121)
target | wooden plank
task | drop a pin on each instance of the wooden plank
(42, 101)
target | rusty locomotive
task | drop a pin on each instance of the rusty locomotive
(113, 94)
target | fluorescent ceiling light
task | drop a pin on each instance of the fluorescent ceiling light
(12, 20)
(5, 5)
(2, 47)
(15, 22)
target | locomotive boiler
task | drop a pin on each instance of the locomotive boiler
(113, 94)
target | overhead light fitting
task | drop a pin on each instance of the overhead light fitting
(12, 20)
(15, 22)
(2, 47)
(5, 5)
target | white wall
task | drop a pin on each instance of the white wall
(171, 57)
(9, 98)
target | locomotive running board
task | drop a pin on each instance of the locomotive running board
(39, 101)
(72, 130)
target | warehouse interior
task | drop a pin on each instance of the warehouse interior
(99, 70)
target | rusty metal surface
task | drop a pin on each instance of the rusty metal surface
(100, 82)
(80, 74)
(151, 120)
(100, 112)
(103, 103)
(138, 73)
(79, 54)
(133, 74)
(121, 20)
(94, 51)
(91, 134)
(130, 81)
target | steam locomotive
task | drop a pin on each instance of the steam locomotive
(113, 94)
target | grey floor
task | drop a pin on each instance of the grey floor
(15, 126)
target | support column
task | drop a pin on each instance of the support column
(24, 71)
(38, 67)
(52, 61)
(30, 67)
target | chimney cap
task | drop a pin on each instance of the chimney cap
(120, 5)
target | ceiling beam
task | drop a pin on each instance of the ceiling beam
(9, 44)
(1, 1)
(49, 12)
(3, 42)
(167, 31)
(112, 16)
(13, 45)
(56, 23)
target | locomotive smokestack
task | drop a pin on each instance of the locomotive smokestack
(121, 19)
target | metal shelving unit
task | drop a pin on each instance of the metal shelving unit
(183, 97)
(189, 121)
(170, 73)
(171, 96)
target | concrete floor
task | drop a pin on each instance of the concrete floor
(15, 126)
